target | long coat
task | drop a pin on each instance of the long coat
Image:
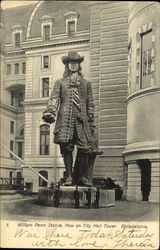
(61, 101)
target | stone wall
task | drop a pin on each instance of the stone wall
(108, 63)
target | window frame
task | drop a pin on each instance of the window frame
(12, 127)
(43, 34)
(46, 21)
(20, 99)
(71, 33)
(43, 61)
(10, 69)
(20, 149)
(41, 87)
(141, 58)
(24, 68)
(16, 72)
(71, 16)
(17, 29)
(19, 42)
(12, 98)
(46, 135)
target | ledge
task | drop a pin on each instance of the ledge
(141, 150)
(142, 92)
(35, 101)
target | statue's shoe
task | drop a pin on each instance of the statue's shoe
(85, 182)
(88, 184)
(97, 152)
(68, 182)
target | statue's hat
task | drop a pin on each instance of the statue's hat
(72, 57)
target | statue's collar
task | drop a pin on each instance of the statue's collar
(75, 80)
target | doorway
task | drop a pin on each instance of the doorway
(145, 166)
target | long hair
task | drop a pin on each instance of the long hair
(67, 72)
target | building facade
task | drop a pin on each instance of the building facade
(142, 153)
(117, 40)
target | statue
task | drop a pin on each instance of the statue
(72, 101)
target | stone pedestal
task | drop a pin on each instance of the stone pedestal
(155, 181)
(46, 197)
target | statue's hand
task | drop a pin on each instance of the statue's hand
(48, 117)
(90, 117)
(92, 127)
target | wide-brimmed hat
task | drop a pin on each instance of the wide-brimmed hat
(72, 57)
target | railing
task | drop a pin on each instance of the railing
(12, 183)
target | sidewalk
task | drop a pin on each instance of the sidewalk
(26, 208)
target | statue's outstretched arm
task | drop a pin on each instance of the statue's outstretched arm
(52, 104)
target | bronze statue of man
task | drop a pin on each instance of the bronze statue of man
(72, 100)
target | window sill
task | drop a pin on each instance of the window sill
(45, 69)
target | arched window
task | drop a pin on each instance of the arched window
(43, 183)
(44, 139)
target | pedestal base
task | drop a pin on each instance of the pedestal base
(46, 197)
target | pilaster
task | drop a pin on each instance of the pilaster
(134, 182)
(155, 181)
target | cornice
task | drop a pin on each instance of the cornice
(68, 43)
(8, 108)
(142, 92)
(35, 101)
(141, 150)
(51, 45)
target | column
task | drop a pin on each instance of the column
(134, 182)
(155, 181)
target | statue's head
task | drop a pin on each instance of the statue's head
(72, 63)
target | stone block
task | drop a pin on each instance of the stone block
(46, 197)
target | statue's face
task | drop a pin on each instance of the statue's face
(73, 66)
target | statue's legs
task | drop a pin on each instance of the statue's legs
(66, 150)
(81, 170)
(68, 162)
(91, 162)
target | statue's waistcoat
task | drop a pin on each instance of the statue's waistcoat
(66, 122)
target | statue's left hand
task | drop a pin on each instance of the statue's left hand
(48, 117)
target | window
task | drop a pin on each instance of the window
(12, 98)
(12, 127)
(8, 69)
(45, 87)
(19, 178)
(20, 99)
(45, 61)
(10, 174)
(44, 140)
(23, 68)
(46, 32)
(71, 28)
(17, 40)
(71, 22)
(43, 183)
(146, 60)
(16, 68)
(11, 148)
(20, 149)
